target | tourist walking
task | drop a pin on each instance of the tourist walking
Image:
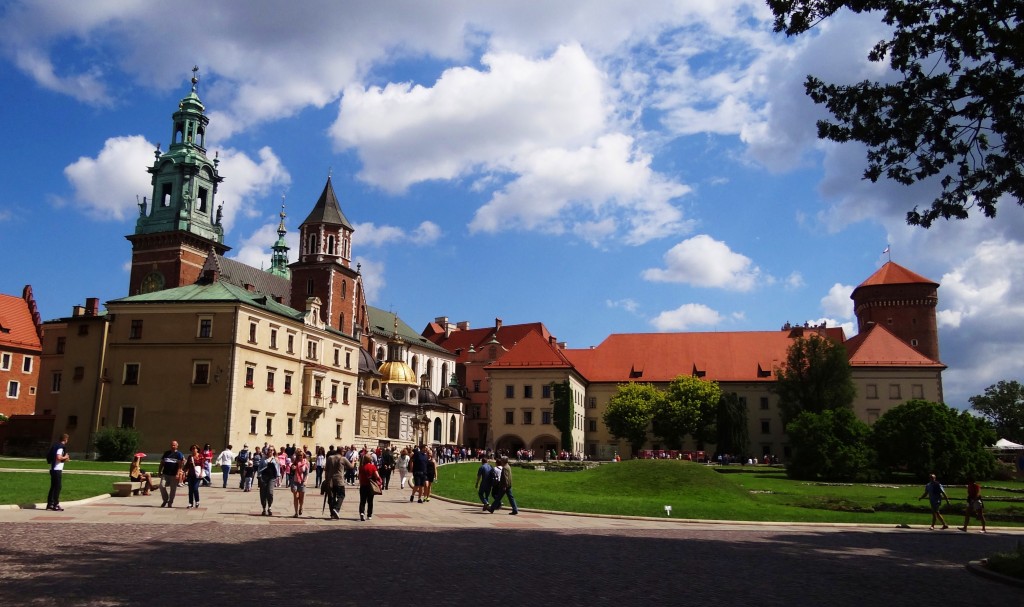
(171, 463)
(56, 457)
(224, 460)
(431, 475)
(369, 485)
(207, 464)
(335, 466)
(483, 481)
(403, 467)
(268, 474)
(935, 494)
(300, 470)
(502, 485)
(194, 471)
(387, 466)
(974, 505)
(321, 461)
(244, 461)
(418, 467)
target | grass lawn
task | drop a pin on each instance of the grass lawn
(25, 488)
(645, 487)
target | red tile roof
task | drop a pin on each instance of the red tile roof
(460, 340)
(878, 347)
(532, 352)
(661, 357)
(17, 328)
(895, 274)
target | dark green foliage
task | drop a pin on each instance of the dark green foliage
(831, 445)
(732, 433)
(816, 378)
(688, 408)
(922, 438)
(953, 113)
(561, 414)
(116, 444)
(1003, 405)
(630, 411)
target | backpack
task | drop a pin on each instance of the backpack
(497, 478)
(243, 456)
(51, 455)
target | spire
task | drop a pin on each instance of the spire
(279, 260)
(327, 210)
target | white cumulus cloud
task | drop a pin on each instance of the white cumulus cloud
(703, 261)
(686, 317)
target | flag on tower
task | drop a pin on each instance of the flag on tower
(886, 250)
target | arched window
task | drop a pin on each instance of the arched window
(437, 429)
(415, 365)
(344, 288)
(451, 431)
(445, 380)
(430, 372)
(380, 353)
(330, 245)
(311, 244)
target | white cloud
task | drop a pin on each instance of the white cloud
(705, 262)
(370, 235)
(838, 303)
(106, 187)
(686, 317)
(794, 281)
(250, 179)
(627, 304)
(373, 278)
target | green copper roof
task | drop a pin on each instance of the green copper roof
(382, 324)
(220, 291)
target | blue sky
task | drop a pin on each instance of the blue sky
(592, 166)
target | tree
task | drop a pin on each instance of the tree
(923, 437)
(116, 444)
(732, 433)
(629, 413)
(687, 408)
(1003, 404)
(561, 399)
(955, 110)
(830, 445)
(816, 378)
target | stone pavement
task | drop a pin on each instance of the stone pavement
(129, 551)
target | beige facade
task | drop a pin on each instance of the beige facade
(522, 412)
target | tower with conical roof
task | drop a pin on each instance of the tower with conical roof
(904, 303)
(279, 258)
(179, 224)
(324, 265)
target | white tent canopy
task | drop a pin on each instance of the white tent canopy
(1007, 444)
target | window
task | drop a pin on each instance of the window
(545, 417)
(766, 426)
(337, 429)
(270, 380)
(61, 344)
(527, 417)
(527, 391)
(545, 391)
(872, 391)
(510, 391)
(334, 392)
(135, 330)
(201, 373)
(309, 283)
(592, 402)
(873, 415)
(250, 376)
(205, 328)
(83, 329)
(291, 425)
(476, 385)
(591, 425)
(344, 394)
(287, 383)
(307, 429)
(270, 426)
(252, 424)
(72, 422)
(913, 342)
(894, 391)
(13, 388)
(348, 360)
(291, 344)
(273, 339)
(127, 417)
(5, 361)
(917, 391)
(131, 374)
(55, 382)
(510, 417)
(79, 372)
(337, 357)
(764, 403)
(252, 332)
(26, 364)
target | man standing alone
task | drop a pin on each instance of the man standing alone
(56, 458)
(170, 465)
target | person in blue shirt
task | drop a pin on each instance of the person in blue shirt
(483, 482)
(171, 463)
(935, 494)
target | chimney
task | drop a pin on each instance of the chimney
(77, 311)
(497, 324)
(462, 325)
(92, 306)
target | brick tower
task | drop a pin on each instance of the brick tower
(903, 302)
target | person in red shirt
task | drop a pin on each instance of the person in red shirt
(300, 471)
(974, 505)
(367, 473)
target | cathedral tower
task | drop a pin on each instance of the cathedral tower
(178, 225)
(903, 302)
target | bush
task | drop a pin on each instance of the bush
(831, 445)
(116, 444)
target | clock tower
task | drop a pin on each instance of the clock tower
(180, 223)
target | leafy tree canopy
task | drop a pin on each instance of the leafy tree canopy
(1003, 404)
(955, 110)
(689, 407)
(732, 432)
(816, 378)
(629, 412)
(830, 445)
(924, 437)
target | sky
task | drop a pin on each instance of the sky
(601, 167)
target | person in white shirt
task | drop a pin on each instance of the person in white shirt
(224, 461)
(58, 455)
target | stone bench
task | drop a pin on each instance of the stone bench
(128, 488)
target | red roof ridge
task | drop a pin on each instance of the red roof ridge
(891, 273)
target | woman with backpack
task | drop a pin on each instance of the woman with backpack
(268, 474)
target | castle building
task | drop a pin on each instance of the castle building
(208, 349)
(20, 351)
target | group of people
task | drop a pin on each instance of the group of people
(935, 493)
(494, 483)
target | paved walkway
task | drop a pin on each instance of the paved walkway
(128, 551)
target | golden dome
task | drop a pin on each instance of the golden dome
(397, 372)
